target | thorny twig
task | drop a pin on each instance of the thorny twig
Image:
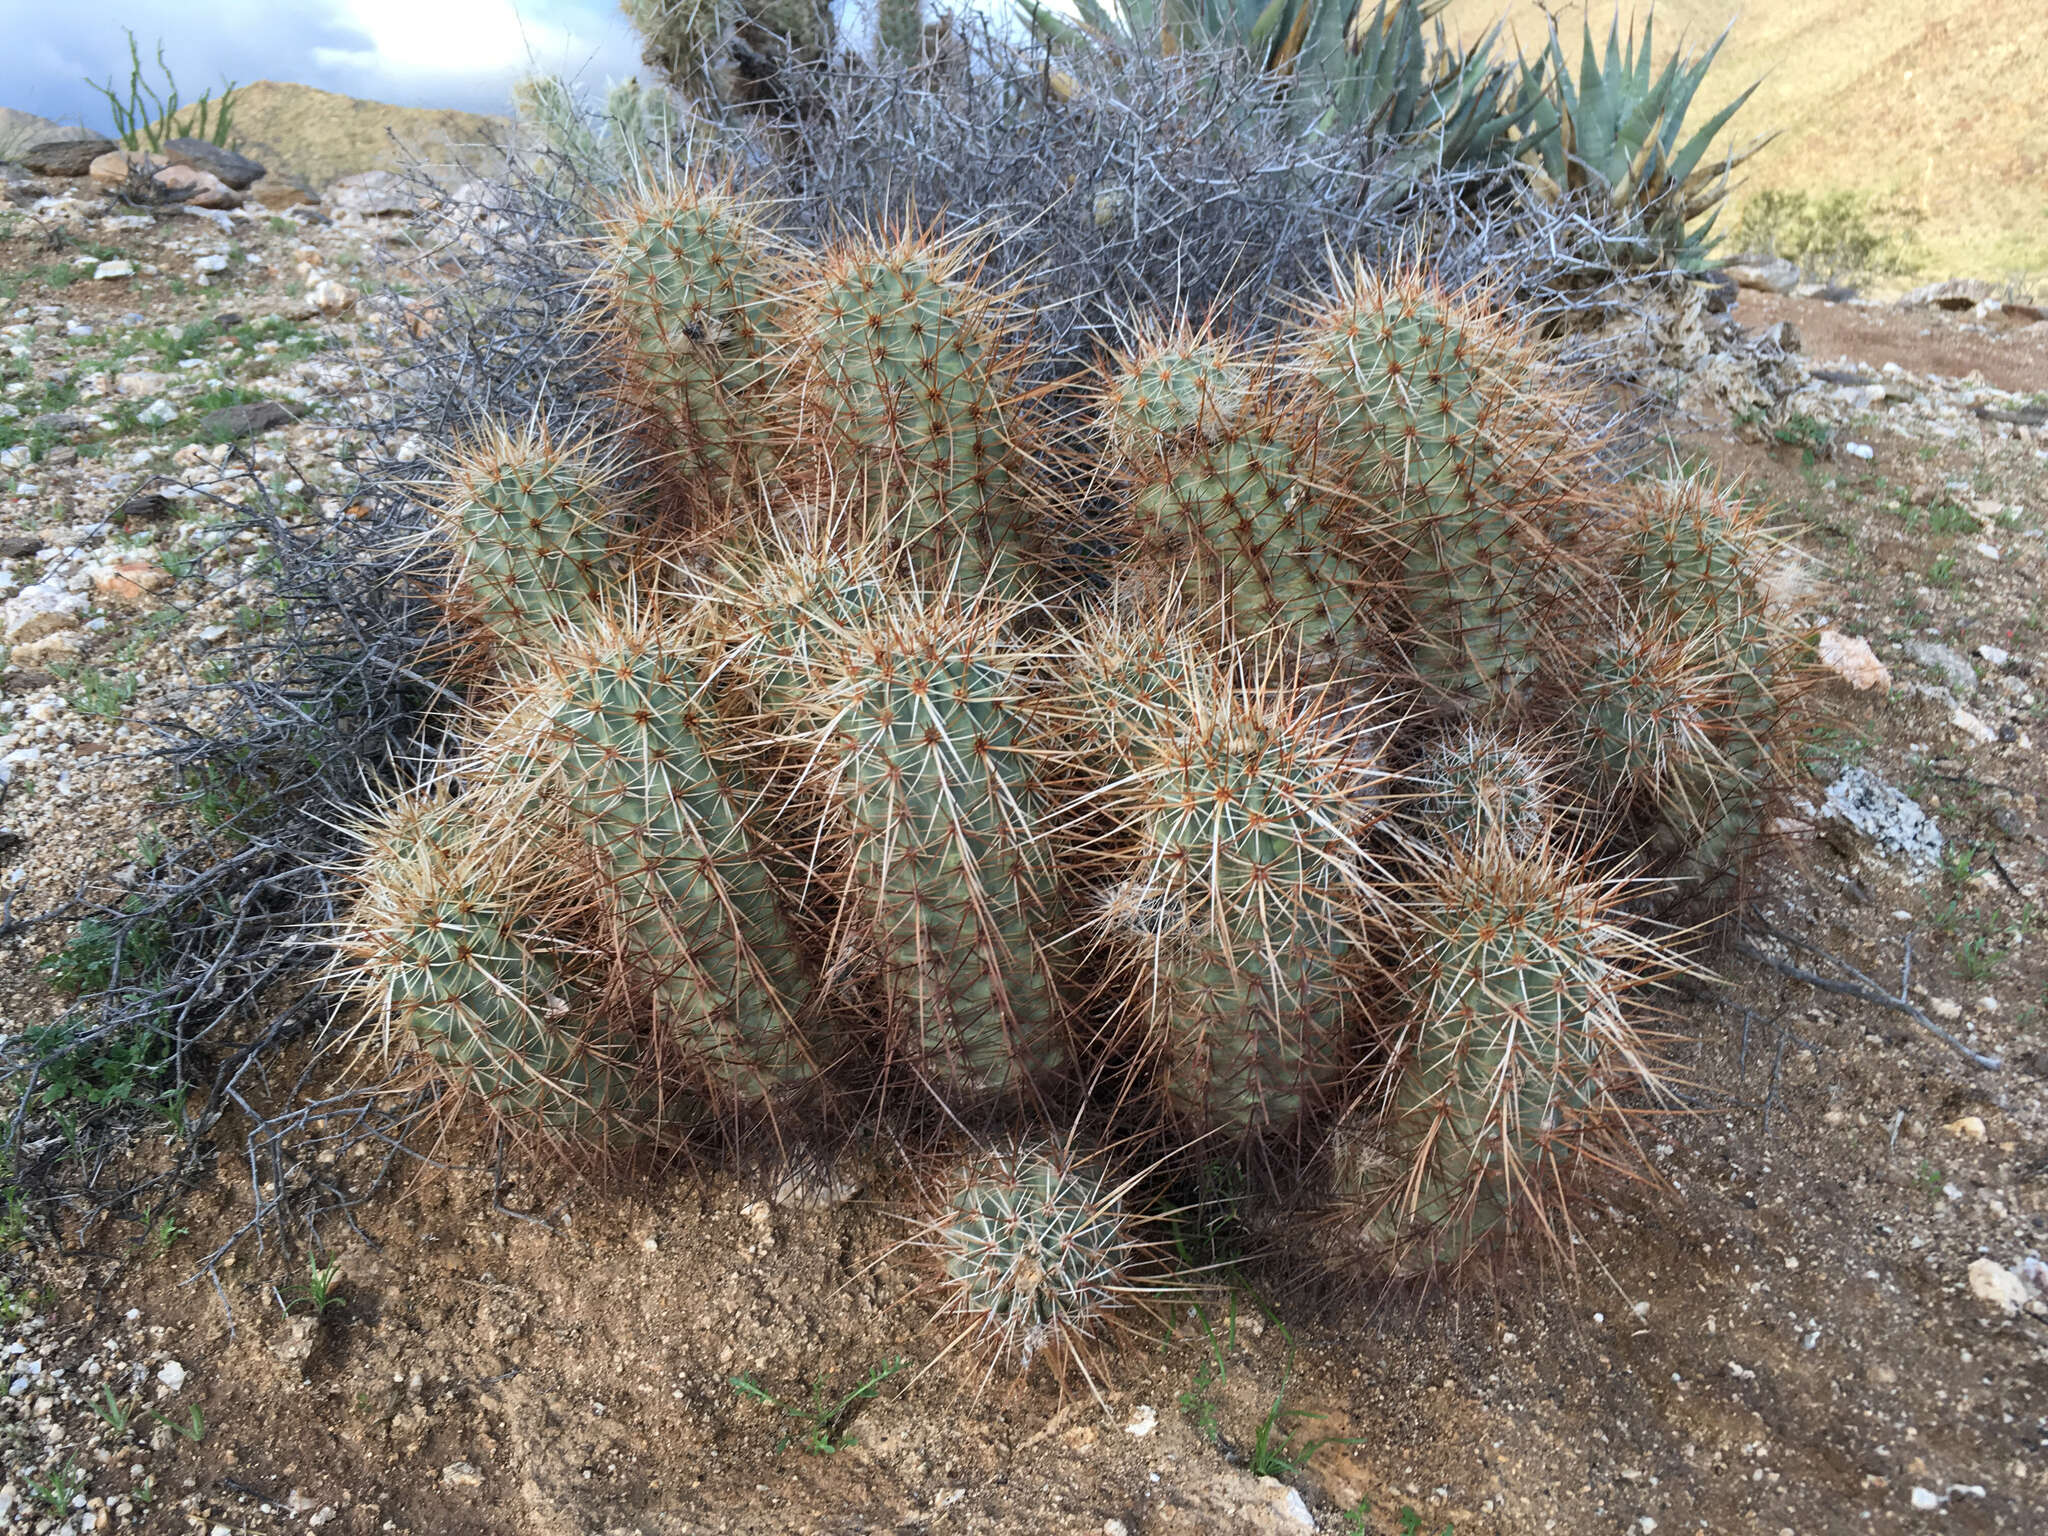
(1863, 987)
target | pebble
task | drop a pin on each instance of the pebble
(1143, 1420)
(1946, 1008)
(108, 270)
(461, 1474)
(1991, 1281)
(1969, 1128)
(172, 1375)
(1859, 450)
(1927, 1498)
(158, 413)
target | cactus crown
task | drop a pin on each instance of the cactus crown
(1037, 1251)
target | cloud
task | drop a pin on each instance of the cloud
(438, 53)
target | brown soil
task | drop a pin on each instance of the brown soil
(1774, 1334)
(2006, 353)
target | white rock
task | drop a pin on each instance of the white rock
(214, 263)
(1851, 659)
(172, 1375)
(1945, 1008)
(1991, 1281)
(1988, 551)
(461, 1474)
(1987, 1004)
(1997, 656)
(1973, 727)
(1926, 1498)
(1859, 450)
(38, 610)
(112, 269)
(1143, 1420)
(329, 297)
(1890, 819)
(158, 413)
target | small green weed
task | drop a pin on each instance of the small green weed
(1275, 1453)
(161, 1234)
(93, 692)
(56, 1491)
(318, 1291)
(116, 1414)
(101, 953)
(1411, 1523)
(1943, 572)
(818, 1427)
(1977, 959)
(1929, 1178)
(192, 1427)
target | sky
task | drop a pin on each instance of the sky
(410, 53)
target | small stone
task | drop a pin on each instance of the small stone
(328, 297)
(158, 413)
(1115, 1528)
(37, 610)
(214, 263)
(1995, 655)
(1987, 550)
(1969, 1128)
(299, 1504)
(172, 1375)
(105, 271)
(111, 169)
(1952, 665)
(1973, 727)
(239, 421)
(1765, 274)
(1859, 450)
(1143, 1420)
(1956, 294)
(196, 188)
(372, 193)
(238, 172)
(130, 581)
(66, 157)
(461, 1474)
(1946, 1009)
(1926, 1498)
(1851, 659)
(1991, 1281)
(1987, 1004)
(1892, 820)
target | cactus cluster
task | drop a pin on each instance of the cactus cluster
(1269, 742)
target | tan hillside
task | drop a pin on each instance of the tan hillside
(1941, 101)
(318, 135)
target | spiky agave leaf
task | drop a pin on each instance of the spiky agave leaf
(909, 390)
(628, 728)
(1440, 417)
(1239, 901)
(1220, 483)
(1039, 1251)
(446, 948)
(1516, 1053)
(536, 543)
(690, 277)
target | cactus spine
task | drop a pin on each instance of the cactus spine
(1516, 1048)
(938, 783)
(1036, 1251)
(441, 956)
(1242, 895)
(1217, 475)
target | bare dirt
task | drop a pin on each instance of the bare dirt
(1777, 1333)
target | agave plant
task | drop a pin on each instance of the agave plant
(1617, 131)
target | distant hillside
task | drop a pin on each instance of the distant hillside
(1944, 102)
(318, 135)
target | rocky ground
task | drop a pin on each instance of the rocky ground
(1829, 1313)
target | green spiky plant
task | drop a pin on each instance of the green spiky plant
(1220, 485)
(530, 529)
(676, 838)
(1516, 1050)
(1223, 814)
(443, 954)
(1617, 132)
(687, 279)
(1438, 417)
(906, 386)
(1037, 1253)
(1476, 787)
(936, 779)
(1239, 903)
